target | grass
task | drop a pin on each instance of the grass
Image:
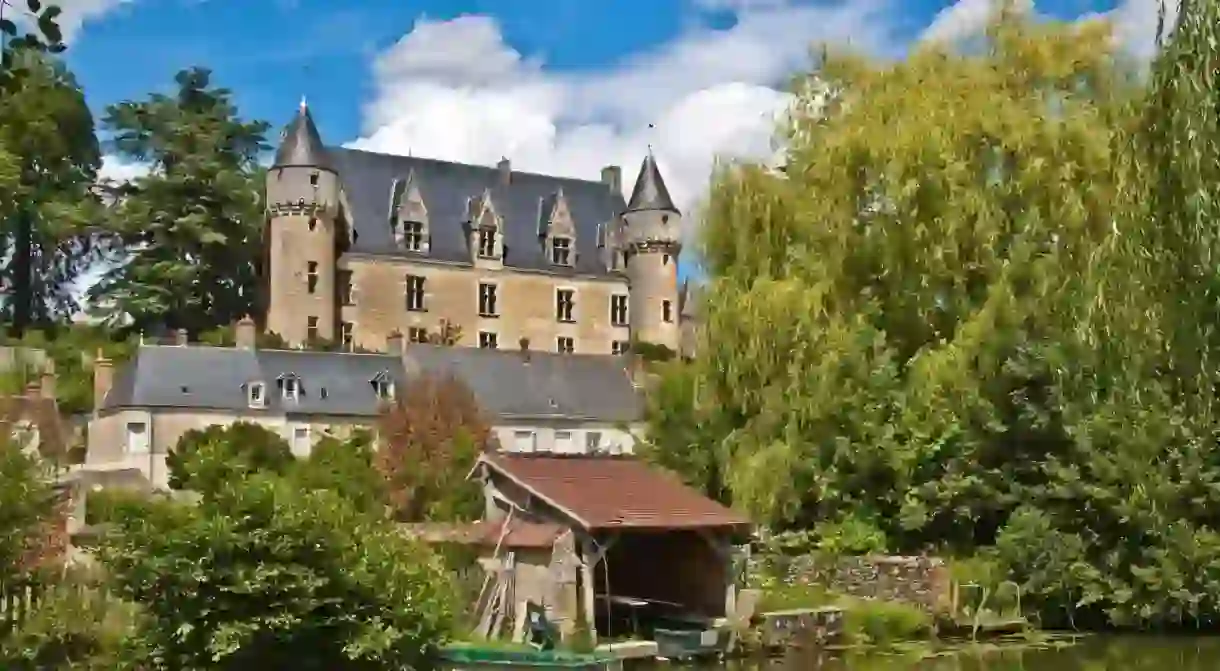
(866, 621)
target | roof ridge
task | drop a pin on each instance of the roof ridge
(479, 166)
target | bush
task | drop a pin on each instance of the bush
(75, 626)
(882, 622)
(205, 459)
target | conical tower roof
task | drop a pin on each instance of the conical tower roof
(301, 145)
(650, 192)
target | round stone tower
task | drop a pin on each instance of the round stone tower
(302, 235)
(653, 242)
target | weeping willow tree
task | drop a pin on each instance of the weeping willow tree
(976, 311)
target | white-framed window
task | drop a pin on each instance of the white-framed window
(256, 394)
(311, 275)
(136, 441)
(524, 441)
(565, 305)
(487, 243)
(565, 345)
(618, 310)
(489, 340)
(412, 235)
(347, 334)
(383, 386)
(417, 334)
(563, 441)
(619, 347)
(487, 300)
(561, 251)
(290, 387)
(415, 293)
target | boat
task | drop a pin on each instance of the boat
(473, 657)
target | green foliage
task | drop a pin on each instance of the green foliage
(49, 157)
(265, 574)
(188, 236)
(976, 311)
(882, 622)
(26, 500)
(75, 626)
(14, 44)
(347, 468)
(205, 459)
(72, 348)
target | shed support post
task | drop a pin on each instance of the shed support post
(591, 554)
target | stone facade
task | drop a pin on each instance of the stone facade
(922, 581)
(360, 246)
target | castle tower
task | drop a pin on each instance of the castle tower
(653, 242)
(302, 236)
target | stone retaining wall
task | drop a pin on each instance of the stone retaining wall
(922, 581)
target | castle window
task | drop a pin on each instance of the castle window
(565, 304)
(487, 243)
(348, 338)
(561, 251)
(311, 276)
(417, 334)
(488, 340)
(313, 223)
(487, 300)
(313, 178)
(619, 347)
(618, 310)
(415, 293)
(667, 311)
(412, 236)
(256, 394)
(290, 387)
(565, 345)
(311, 329)
(665, 260)
(346, 295)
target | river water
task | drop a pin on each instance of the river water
(1143, 653)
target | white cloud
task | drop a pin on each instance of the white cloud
(117, 169)
(74, 16)
(455, 90)
(1134, 21)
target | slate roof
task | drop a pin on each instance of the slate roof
(650, 192)
(368, 179)
(505, 383)
(301, 144)
(607, 493)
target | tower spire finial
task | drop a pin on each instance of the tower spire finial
(304, 105)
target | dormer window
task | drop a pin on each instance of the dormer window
(290, 387)
(412, 236)
(487, 243)
(256, 394)
(561, 251)
(383, 386)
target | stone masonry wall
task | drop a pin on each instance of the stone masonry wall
(922, 581)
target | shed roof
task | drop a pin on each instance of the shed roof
(606, 493)
(520, 533)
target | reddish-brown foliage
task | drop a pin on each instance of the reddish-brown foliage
(430, 439)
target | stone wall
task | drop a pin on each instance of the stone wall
(922, 581)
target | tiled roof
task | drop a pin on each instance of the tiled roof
(505, 384)
(606, 493)
(521, 534)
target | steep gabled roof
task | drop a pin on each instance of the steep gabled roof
(301, 145)
(650, 192)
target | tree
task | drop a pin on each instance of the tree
(346, 467)
(26, 503)
(265, 574)
(49, 158)
(430, 439)
(187, 236)
(203, 460)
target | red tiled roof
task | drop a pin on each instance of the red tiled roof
(521, 534)
(603, 492)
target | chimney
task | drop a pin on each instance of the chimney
(612, 177)
(47, 383)
(395, 343)
(525, 349)
(506, 171)
(103, 377)
(182, 338)
(246, 335)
